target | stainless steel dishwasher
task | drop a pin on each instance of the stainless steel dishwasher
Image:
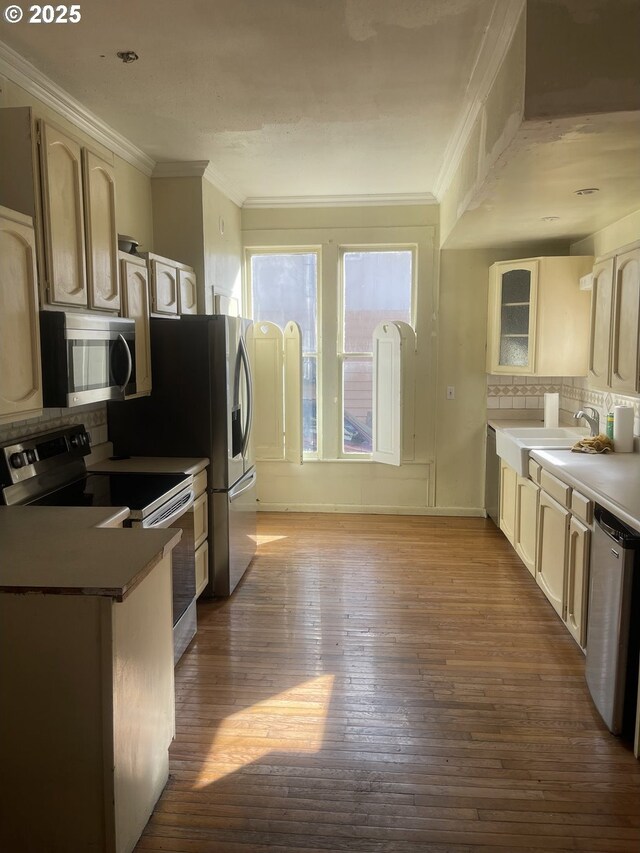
(612, 630)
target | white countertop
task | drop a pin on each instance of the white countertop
(67, 550)
(151, 465)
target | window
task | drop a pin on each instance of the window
(284, 287)
(377, 285)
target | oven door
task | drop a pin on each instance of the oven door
(178, 513)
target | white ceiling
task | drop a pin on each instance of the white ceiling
(335, 100)
(286, 98)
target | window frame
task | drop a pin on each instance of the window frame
(344, 356)
(249, 253)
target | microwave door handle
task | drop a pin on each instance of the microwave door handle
(247, 371)
(124, 343)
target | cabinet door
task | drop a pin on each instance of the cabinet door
(553, 527)
(20, 379)
(135, 292)
(100, 231)
(164, 285)
(600, 337)
(578, 581)
(188, 292)
(63, 218)
(508, 479)
(513, 291)
(526, 522)
(626, 320)
(202, 567)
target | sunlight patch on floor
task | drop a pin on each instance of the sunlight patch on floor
(263, 539)
(292, 721)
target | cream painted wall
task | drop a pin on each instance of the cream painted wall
(178, 230)
(614, 236)
(133, 187)
(222, 245)
(359, 486)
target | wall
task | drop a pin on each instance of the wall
(133, 217)
(335, 484)
(222, 245)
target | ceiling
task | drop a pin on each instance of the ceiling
(339, 101)
(286, 98)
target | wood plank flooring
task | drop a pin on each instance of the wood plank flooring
(389, 685)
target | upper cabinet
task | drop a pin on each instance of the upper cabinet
(538, 318)
(100, 230)
(69, 191)
(614, 354)
(20, 377)
(173, 287)
(135, 305)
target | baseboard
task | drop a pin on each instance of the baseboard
(467, 512)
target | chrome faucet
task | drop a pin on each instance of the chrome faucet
(593, 419)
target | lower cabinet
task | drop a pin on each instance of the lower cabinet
(548, 526)
(553, 535)
(508, 481)
(578, 581)
(526, 522)
(201, 530)
(88, 713)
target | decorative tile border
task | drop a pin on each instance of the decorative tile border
(94, 419)
(522, 390)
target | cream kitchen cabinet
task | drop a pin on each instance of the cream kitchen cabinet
(614, 351)
(135, 305)
(551, 553)
(20, 371)
(507, 516)
(173, 286)
(538, 318)
(526, 521)
(577, 581)
(200, 530)
(69, 191)
(88, 699)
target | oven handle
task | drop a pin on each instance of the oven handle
(166, 521)
(122, 339)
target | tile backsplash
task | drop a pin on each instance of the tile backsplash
(94, 419)
(527, 392)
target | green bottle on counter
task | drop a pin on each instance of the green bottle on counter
(610, 426)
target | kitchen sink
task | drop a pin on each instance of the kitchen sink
(513, 445)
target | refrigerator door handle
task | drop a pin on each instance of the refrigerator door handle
(237, 491)
(247, 370)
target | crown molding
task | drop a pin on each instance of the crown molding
(15, 68)
(226, 188)
(495, 44)
(386, 200)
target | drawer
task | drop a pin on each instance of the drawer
(581, 507)
(200, 483)
(202, 567)
(555, 487)
(534, 470)
(200, 519)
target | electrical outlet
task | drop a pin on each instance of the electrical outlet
(451, 392)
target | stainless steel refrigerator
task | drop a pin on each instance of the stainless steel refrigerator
(201, 405)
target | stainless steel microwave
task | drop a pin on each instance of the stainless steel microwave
(86, 358)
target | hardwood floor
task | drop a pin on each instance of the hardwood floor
(391, 684)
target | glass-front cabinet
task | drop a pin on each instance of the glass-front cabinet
(512, 313)
(538, 316)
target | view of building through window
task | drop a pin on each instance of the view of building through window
(377, 286)
(284, 287)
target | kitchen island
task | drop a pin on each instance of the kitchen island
(86, 678)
